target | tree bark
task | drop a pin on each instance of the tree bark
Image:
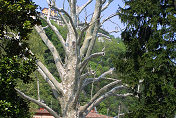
(77, 56)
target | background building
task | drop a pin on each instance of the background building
(45, 12)
(42, 113)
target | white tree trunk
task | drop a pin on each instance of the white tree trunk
(78, 55)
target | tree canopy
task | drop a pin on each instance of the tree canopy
(148, 65)
(15, 60)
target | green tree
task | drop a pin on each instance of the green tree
(15, 25)
(150, 56)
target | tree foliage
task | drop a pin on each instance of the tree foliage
(150, 56)
(11, 70)
(15, 25)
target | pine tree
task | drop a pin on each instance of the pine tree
(149, 63)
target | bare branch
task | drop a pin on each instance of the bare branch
(51, 77)
(70, 18)
(82, 34)
(53, 50)
(103, 35)
(79, 9)
(111, 79)
(85, 29)
(106, 95)
(103, 1)
(83, 76)
(102, 90)
(90, 37)
(106, 6)
(90, 80)
(55, 30)
(123, 95)
(80, 81)
(86, 60)
(63, 6)
(53, 5)
(72, 4)
(92, 42)
(38, 103)
(45, 27)
(54, 90)
(116, 29)
(62, 16)
(109, 17)
(94, 36)
(64, 19)
(49, 13)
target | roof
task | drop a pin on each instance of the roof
(47, 9)
(94, 114)
(42, 111)
(44, 8)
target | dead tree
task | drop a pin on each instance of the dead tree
(77, 56)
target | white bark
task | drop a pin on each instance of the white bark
(78, 55)
(90, 80)
(87, 59)
(54, 90)
(51, 77)
(91, 37)
(55, 31)
(107, 4)
(38, 103)
(106, 95)
(53, 50)
(102, 90)
(79, 9)
(71, 24)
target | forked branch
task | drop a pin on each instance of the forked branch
(101, 91)
(79, 9)
(53, 50)
(90, 37)
(82, 34)
(107, 4)
(90, 80)
(86, 60)
(51, 77)
(106, 95)
(69, 17)
(54, 90)
(109, 17)
(55, 30)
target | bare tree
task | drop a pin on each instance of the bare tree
(72, 70)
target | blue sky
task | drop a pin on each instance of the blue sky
(111, 9)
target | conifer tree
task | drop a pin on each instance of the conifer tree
(149, 63)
